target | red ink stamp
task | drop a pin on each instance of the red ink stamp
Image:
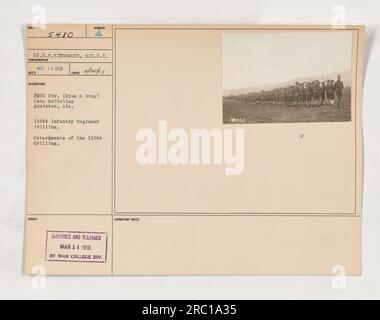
(76, 246)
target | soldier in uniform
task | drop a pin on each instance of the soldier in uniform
(293, 95)
(282, 95)
(338, 88)
(310, 93)
(304, 93)
(323, 92)
(330, 91)
(299, 93)
(317, 92)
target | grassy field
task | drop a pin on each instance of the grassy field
(237, 112)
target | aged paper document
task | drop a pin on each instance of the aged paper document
(194, 150)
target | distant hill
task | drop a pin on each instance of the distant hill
(346, 78)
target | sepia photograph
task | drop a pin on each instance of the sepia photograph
(280, 77)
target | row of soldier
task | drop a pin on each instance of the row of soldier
(312, 93)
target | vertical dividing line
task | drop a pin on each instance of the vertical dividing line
(113, 149)
(356, 101)
(114, 116)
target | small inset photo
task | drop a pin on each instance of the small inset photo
(287, 76)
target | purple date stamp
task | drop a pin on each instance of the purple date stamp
(76, 246)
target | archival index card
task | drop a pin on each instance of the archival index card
(194, 150)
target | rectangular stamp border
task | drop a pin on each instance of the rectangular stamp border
(77, 261)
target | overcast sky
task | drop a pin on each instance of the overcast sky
(258, 58)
